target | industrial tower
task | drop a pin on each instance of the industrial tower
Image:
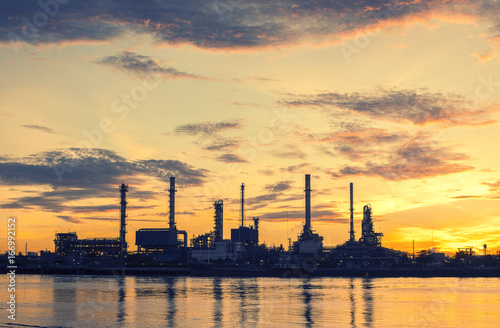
(242, 204)
(218, 221)
(308, 243)
(351, 209)
(171, 200)
(369, 236)
(307, 226)
(123, 215)
(249, 236)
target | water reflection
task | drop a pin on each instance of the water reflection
(171, 306)
(64, 297)
(367, 286)
(352, 298)
(306, 294)
(121, 314)
(217, 289)
(98, 301)
(248, 293)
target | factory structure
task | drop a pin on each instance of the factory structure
(368, 250)
(308, 243)
(163, 244)
(212, 245)
(170, 245)
(70, 250)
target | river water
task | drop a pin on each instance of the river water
(109, 301)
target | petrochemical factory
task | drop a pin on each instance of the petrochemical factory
(169, 245)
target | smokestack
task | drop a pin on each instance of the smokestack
(172, 204)
(351, 232)
(123, 215)
(307, 226)
(242, 204)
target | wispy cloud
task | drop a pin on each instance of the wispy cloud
(418, 158)
(70, 219)
(279, 186)
(321, 215)
(40, 128)
(493, 186)
(207, 128)
(210, 137)
(143, 66)
(221, 144)
(417, 106)
(357, 143)
(231, 158)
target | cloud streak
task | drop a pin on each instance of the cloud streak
(320, 215)
(40, 128)
(207, 128)
(417, 106)
(418, 158)
(143, 66)
(231, 158)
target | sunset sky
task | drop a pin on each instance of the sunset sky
(399, 97)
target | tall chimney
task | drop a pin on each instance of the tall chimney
(351, 232)
(172, 191)
(123, 215)
(242, 204)
(307, 226)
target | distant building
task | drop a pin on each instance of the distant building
(70, 249)
(222, 250)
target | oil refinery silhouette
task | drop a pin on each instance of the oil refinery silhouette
(166, 250)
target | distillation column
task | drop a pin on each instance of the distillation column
(307, 226)
(123, 215)
(219, 221)
(242, 204)
(172, 204)
(351, 232)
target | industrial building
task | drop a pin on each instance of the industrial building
(212, 246)
(163, 244)
(71, 250)
(368, 251)
(170, 245)
(248, 236)
(309, 243)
